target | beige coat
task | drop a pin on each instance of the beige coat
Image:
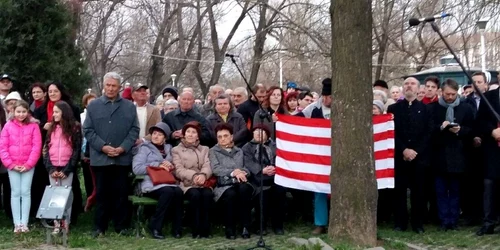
(189, 161)
(152, 118)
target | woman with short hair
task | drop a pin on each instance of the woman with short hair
(233, 189)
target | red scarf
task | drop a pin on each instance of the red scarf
(427, 100)
(38, 103)
(50, 110)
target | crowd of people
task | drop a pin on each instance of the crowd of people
(217, 152)
(446, 153)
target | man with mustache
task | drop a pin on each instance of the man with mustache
(413, 125)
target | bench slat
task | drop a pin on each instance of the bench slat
(136, 200)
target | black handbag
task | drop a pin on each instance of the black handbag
(266, 180)
(227, 180)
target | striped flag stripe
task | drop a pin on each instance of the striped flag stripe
(304, 152)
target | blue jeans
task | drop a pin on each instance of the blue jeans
(447, 192)
(20, 201)
(320, 209)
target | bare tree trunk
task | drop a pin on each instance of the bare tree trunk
(100, 30)
(156, 70)
(353, 183)
(384, 40)
(263, 29)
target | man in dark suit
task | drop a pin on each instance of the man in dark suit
(413, 125)
(490, 136)
(472, 196)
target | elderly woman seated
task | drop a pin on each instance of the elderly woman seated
(156, 154)
(192, 168)
(261, 165)
(233, 189)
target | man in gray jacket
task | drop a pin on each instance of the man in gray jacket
(111, 129)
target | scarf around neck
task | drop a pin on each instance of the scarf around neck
(450, 112)
(38, 103)
(50, 110)
(427, 100)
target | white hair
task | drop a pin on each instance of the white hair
(113, 75)
(216, 86)
(380, 93)
(396, 87)
(242, 90)
(171, 102)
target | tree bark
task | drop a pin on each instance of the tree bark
(353, 184)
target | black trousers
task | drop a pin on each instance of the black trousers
(489, 202)
(274, 206)
(200, 203)
(430, 197)
(40, 181)
(5, 183)
(87, 178)
(301, 205)
(111, 196)
(169, 199)
(471, 197)
(409, 175)
(385, 205)
(77, 206)
(237, 201)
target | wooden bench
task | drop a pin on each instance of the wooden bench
(138, 204)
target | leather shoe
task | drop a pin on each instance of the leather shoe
(157, 234)
(177, 235)
(485, 230)
(245, 234)
(97, 233)
(319, 230)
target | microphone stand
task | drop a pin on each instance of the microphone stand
(261, 244)
(486, 101)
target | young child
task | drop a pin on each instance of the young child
(20, 149)
(62, 150)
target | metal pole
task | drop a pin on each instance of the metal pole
(483, 52)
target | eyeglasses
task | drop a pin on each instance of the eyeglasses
(224, 136)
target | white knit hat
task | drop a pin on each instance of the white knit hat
(13, 96)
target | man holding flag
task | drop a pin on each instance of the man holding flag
(320, 109)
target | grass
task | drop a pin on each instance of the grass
(433, 238)
(80, 238)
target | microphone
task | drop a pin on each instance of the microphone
(231, 55)
(416, 21)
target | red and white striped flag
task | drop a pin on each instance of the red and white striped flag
(304, 147)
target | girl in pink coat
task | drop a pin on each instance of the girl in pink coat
(20, 149)
(61, 151)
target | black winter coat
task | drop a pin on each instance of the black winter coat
(448, 149)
